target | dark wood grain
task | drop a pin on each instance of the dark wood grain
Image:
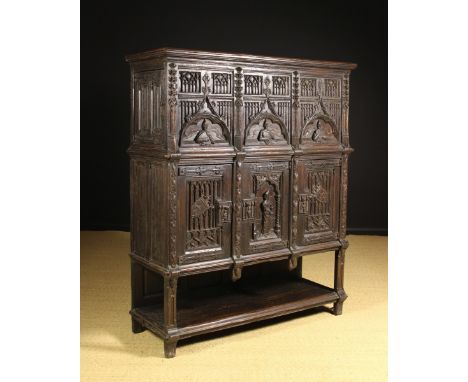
(239, 166)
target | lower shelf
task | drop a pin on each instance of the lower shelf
(215, 308)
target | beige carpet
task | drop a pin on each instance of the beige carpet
(314, 347)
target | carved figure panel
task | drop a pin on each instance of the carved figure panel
(319, 127)
(266, 128)
(264, 214)
(319, 131)
(317, 200)
(267, 191)
(205, 128)
(321, 188)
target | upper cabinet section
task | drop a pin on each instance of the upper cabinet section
(209, 104)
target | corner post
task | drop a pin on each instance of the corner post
(339, 275)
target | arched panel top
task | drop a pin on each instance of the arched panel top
(205, 128)
(320, 128)
(266, 128)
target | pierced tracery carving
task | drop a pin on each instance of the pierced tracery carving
(221, 83)
(253, 85)
(280, 85)
(190, 82)
(203, 230)
(205, 127)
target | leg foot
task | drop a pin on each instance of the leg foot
(338, 308)
(170, 348)
(236, 272)
(137, 327)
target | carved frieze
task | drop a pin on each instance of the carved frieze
(201, 171)
(268, 166)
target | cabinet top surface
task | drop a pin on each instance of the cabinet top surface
(173, 53)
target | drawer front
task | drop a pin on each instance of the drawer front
(317, 200)
(205, 211)
(265, 202)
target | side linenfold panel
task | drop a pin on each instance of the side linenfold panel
(148, 220)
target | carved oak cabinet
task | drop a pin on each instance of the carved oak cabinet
(239, 167)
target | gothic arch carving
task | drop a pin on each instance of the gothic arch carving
(266, 128)
(205, 128)
(320, 128)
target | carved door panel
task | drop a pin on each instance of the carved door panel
(204, 212)
(264, 206)
(318, 200)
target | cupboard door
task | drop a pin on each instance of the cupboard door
(204, 212)
(318, 200)
(265, 201)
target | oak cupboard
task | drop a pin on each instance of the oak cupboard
(239, 167)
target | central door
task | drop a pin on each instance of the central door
(264, 206)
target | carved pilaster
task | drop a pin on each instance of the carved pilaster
(295, 198)
(344, 195)
(172, 194)
(172, 100)
(237, 253)
(239, 122)
(345, 110)
(296, 111)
